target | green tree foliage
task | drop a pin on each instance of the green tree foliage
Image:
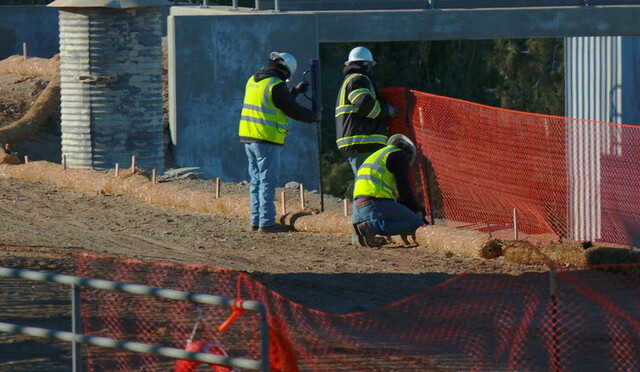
(532, 73)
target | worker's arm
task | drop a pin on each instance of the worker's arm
(362, 98)
(286, 102)
(398, 164)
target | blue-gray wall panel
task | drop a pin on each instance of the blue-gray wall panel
(35, 25)
(630, 80)
(214, 57)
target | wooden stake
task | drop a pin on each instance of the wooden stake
(346, 207)
(284, 203)
(218, 188)
(515, 224)
(64, 162)
(155, 178)
(117, 170)
(26, 159)
(302, 196)
(133, 164)
(24, 50)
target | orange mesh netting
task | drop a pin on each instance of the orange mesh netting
(566, 178)
(470, 322)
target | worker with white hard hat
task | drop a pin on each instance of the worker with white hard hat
(268, 105)
(361, 115)
(384, 201)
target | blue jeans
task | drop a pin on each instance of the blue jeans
(264, 171)
(387, 217)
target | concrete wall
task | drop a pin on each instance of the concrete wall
(212, 57)
(36, 25)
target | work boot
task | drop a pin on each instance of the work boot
(366, 237)
(275, 228)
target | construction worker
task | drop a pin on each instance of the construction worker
(268, 104)
(361, 116)
(383, 199)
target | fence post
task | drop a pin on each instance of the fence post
(76, 328)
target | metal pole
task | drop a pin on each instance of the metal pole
(276, 6)
(555, 352)
(264, 328)
(316, 106)
(76, 328)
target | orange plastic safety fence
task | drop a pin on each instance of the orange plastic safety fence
(566, 178)
(469, 322)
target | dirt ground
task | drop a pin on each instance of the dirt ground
(43, 227)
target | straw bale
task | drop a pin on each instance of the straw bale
(36, 116)
(167, 195)
(32, 66)
(565, 253)
(521, 252)
(458, 241)
(312, 221)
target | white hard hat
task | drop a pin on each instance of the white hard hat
(360, 54)
(288, 60)
(401, 141)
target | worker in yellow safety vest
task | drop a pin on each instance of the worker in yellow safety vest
(268, 105)
(383, 198)
(361, 115)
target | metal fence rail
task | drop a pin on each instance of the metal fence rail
(76, 337)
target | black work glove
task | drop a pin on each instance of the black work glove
(394, 111)
(302, 87)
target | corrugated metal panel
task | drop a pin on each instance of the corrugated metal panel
(593, 92)
(111, 87)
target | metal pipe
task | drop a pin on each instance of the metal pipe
(138, 289)
(132, 346)
(264, 330)
(76, 328)
(276, 6)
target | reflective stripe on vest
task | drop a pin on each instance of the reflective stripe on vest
(361, 140)
(346, 103)
(374, 179)
(260, 119)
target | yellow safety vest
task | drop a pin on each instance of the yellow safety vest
(374, 179)
(260, 119)
(344, 106)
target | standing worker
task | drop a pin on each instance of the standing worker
(361, 117)
(383, 199)
(268, 104)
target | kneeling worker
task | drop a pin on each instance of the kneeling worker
(384, 201)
